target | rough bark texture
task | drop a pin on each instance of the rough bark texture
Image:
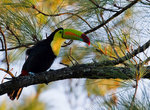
(93, 71)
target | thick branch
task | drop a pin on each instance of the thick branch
(79, 71)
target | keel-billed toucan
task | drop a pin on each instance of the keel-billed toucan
(41, 56)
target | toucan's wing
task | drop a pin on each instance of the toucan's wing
(40, 59)
(29, 51)
(33, 48)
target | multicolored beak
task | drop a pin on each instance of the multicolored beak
(75, 35)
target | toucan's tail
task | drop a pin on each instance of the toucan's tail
(15, 94)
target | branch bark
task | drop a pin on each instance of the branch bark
(92, 71)
(101, 70)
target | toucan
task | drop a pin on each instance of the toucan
(41, 56)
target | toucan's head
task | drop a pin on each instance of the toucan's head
(60, 35)
(71, 34)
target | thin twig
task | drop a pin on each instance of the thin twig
(145, 3)
(2, 43)
(112, 17)
(136, 87)
(20, 46)
(8, 28)
(7, 71)
(127, 48)
(70, 54)
(136, 55)
(119, 7)
(60, 14)
(111, 42)
(4, 78)
(145, 61)
(145, 54)
(70, 60)
(102, 7)
(124, 54)
(129, 55)
(67, 43)
(35, 39)
(101, 52)
(5, 44)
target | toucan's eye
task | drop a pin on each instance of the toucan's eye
(60, 32)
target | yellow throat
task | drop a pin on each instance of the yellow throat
(56, 44)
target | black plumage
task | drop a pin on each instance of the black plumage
(39, 58)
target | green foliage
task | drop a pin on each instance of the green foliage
(24, 25)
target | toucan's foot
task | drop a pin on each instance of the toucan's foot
(31, 73)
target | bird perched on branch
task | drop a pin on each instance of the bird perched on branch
(41, 56)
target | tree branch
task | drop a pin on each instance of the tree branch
(11, 31)
(102, 7)
(112, 17)
(79, 71)
(98, 70)
(127, 56)
(60, 14)
(19, 46)
(2, 43)
(92, 71)
(5, 44)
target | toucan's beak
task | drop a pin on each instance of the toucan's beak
(75, 35)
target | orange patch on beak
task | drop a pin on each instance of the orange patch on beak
(70, 33)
